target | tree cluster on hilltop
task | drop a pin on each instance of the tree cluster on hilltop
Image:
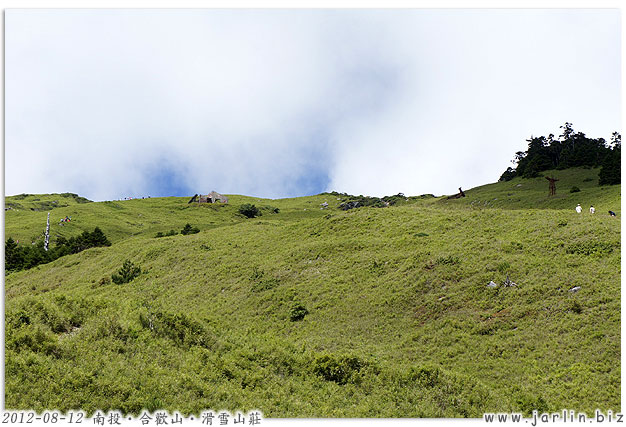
(570, 149)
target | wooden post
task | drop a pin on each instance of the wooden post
(45, 243)
(552, 185)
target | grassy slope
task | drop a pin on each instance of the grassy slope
(401, 288)
(533, 193)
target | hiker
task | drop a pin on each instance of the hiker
(592, 210)
(612, 213)
(579, 209)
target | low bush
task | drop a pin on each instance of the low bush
(297, 312)
(35, 338)
(265, 284)
(249, 211)
(340, 369)
(529, 403)
(188, 229)
(576, 307)
(590, 247)
(574, 189)
(503, 267)
(271, 209)
(426, 377)
(448, 260)
(178, 327)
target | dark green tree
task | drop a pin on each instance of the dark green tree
(188, 229)
(611, 172)
(126, 274)
(13, 256)
(508, 174)
(249, 211)
(571, 149)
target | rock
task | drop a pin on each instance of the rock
(492, 284)
(508, 282)
(349, 205)
(575, 289)
(518, 185)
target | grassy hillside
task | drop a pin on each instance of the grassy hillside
(309, 312)
(521, 193)
(43, 202)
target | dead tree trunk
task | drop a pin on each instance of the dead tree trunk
(458, 195)
(47, 239)
(552, 185)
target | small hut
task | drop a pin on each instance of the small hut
(212, 197)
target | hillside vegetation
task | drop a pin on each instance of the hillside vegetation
(307, 311)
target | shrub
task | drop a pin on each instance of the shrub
(272, 209)
(574, 189)
(266, 284)
(503, 267)
(590, 247)
(188, 229)
(126, 274)
(576, 307)
(183, 330)
(297, 312)
(427, 377)
(529, 403)
(35, 338)
(449, 260)
(249, 211)
(341, 369)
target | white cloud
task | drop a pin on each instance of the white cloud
(283, 102)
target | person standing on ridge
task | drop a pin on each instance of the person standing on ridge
(592, 210)
(579, 209)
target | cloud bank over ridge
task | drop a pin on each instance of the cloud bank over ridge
(277, 103)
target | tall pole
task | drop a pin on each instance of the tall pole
(45, 243)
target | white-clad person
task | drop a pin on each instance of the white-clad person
(592, 210)
(579, 209)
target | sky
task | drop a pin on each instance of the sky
(114, 103)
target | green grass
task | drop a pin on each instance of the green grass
(520, 193)
(399, 321)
